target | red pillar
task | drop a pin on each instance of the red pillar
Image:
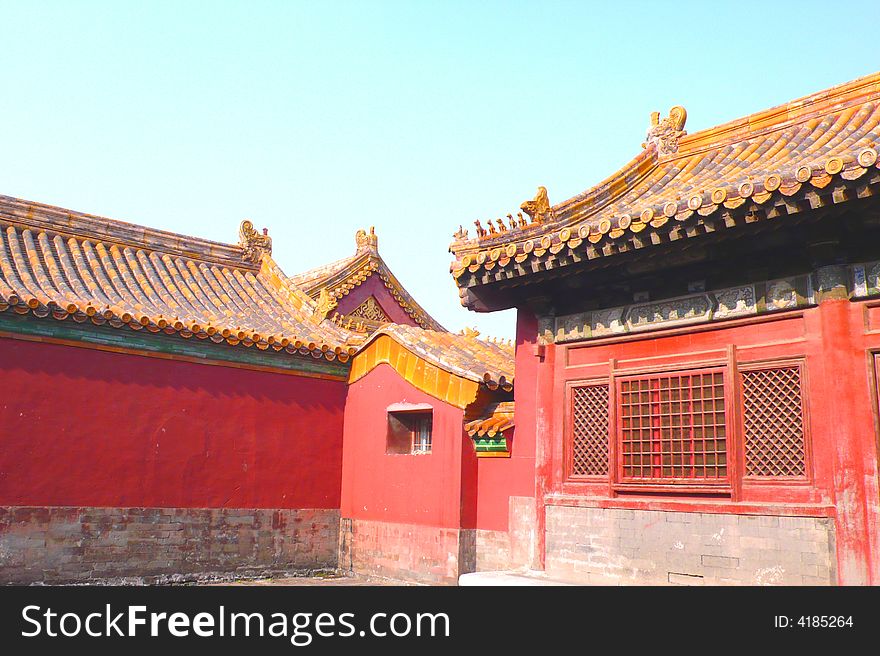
(533, 393)
(843, 419)
(526, 400)
(544, 432)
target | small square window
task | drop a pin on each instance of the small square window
(409, 432)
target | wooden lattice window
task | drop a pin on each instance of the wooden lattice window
(589, 422)
(672, 429)
(773, 423)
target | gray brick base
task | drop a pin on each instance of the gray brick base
(430, 555)
(71, 545)
(512, 549)
(493, 550)
(596, 545)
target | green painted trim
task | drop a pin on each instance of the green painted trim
(126, 338)
(484, 444)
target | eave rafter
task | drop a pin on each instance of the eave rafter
(805, 155)
(754, 203)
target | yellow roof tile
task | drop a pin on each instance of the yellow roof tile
(466, 356)
(86, 267)
(808, 141)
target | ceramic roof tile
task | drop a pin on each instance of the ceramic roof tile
(753, 164)
(492, 420)
(464, 355)
(68, 264)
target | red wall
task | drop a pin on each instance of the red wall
(82, 427)
(373, 286)
(407, 489)
(835, 341)
(498, 479)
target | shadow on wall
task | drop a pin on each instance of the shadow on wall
(77, 365)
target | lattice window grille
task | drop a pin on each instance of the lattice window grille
(589, 444)
(672, 429)
(773, 423)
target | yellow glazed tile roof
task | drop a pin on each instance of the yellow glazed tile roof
(77, 266)
(464, 355)
(773, 163)
(494, 419)
(448, 366)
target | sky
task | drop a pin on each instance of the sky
(315, 119)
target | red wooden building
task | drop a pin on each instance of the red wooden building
(698, 348)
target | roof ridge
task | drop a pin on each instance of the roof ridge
(463, 355)
(799, 110)
(638, 168)
(343, 275)
(81, 225)
(306, 278)
(445, 352)
(291, 290)
(614, 186)
(769, 163)
(82, 275)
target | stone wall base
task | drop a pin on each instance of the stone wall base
(433, 555)
(406, 552)
(493, 551)
(513, 549)
(598, 545)
(162, 545)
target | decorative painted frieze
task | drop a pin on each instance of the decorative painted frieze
(873, 277)
(860, 282)
(607, 322)
(545, 329)
(865, 279)
(681, 310)
(491, 447)
(781, 295)
(735, 302)
(728, 303)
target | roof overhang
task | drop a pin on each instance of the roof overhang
(797, 159)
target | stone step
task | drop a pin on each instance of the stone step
(507, 578)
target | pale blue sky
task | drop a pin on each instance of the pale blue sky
(315, 119)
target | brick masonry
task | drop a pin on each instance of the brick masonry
(433, 555)
(596, 545)
(522, 519)
(493, 551)
(156, 545)
(512, 549)
(406, 552)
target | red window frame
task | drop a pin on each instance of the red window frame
(572, 389)
(751, 368)
(672, 421)
(730, 397)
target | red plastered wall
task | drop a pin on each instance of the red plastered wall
(408, 489)
(500, 478)
(82, 427)
(835, 342)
